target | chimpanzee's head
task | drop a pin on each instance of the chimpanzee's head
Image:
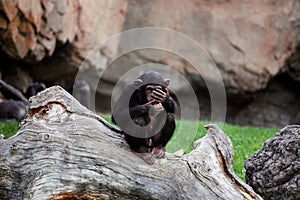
(151, 78)
(150, 81)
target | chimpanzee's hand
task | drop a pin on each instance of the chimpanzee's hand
(155, 109)
(159, 95)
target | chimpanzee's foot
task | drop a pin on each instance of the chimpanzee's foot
(147, 157)
(159, 153)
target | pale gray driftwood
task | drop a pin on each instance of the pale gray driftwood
(64, 151)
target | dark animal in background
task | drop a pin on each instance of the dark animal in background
(12, 107)
(13, 103)
(145, 103)
(35, 88)
(82, 92)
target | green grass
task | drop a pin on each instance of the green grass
(8, 129)
(246, 140)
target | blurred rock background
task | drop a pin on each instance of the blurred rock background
(255, 44)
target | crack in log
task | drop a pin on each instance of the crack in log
(41, 112)
(204, 176)
(91, 195)
(247, 194)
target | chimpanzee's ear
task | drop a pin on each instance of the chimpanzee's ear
(138, 83)
(167, 82)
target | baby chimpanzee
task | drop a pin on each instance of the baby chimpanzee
(146, 114)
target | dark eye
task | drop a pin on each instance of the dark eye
(158, 87)
(149, 88)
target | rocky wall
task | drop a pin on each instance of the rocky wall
(255, 45)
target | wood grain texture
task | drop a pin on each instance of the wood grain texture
(64, 151)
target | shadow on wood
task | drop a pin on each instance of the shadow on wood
(64, 151)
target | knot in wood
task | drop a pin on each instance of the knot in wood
(45, 111)
(14, 146)
(46, 136)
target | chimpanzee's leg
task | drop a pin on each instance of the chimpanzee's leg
(168, 129)
(162, 138)
(140, 146)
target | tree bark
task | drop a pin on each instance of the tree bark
(65, 151)
(274, 171)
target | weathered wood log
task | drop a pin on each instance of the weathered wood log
(64, 151)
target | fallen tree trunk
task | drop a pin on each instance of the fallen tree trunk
(64, 151)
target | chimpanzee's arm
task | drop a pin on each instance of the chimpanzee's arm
(169, 105)
(128, 102)
(9, 92)
(139, 110)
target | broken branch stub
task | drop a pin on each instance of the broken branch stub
(63, 150)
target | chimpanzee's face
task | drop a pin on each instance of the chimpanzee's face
(149, 89)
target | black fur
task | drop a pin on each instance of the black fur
(140, 114)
